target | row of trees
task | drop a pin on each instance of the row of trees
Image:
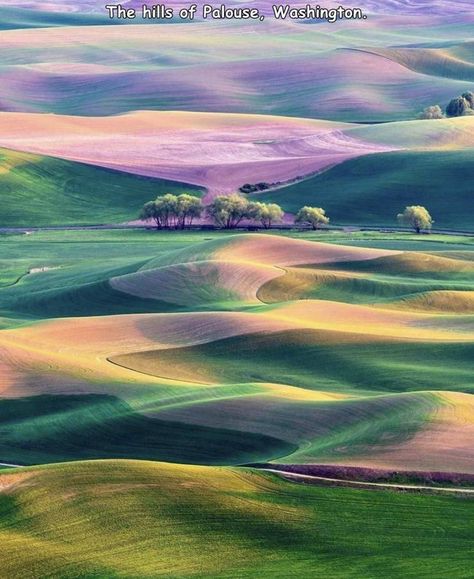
(226, 211)
(458, 107)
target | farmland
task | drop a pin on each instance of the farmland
(159, 387)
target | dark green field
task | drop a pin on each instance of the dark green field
(373, 189)
(42, 191)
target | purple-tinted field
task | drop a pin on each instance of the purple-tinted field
(354, 473)
(345, 71)
(220, 152)
(374, 6)
(192, 352)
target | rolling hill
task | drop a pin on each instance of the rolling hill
(42, 191)
(373, 189)
(124, 518)
(336, 358)
(232, 351)
(147, 377)
(288, 69)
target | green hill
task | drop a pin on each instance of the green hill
(41, 191)
(141, 519)
(373, 189)
(302, 358)
(93, 426)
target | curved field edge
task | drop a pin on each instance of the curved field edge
(316, 359)
(454, 480)
(93, 426)
(284, 369)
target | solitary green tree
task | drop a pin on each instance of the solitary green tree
(417, 217)
(228, 211)
(266, 213)
(314, 216)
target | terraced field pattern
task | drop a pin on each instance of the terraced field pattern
(235, 404)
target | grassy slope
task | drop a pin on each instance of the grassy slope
(302, 358)
(40, 191)
(373, 189)
(323, 430)
(380, 280)
(87, 260)
(117, 518)
(91, 426)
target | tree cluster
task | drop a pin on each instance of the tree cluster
(461, 106)
(254, 188)
(229, 211)
(172, 211)
(432, 112)
(458, 107)
(226, 212)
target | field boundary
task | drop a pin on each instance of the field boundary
(308, 478)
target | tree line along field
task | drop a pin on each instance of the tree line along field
(370, 190)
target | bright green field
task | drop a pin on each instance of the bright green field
(82, 262)
(41, 191)
(211, 404)
(139, 519)
(373, 189)
(303, 359)
(43, 429)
